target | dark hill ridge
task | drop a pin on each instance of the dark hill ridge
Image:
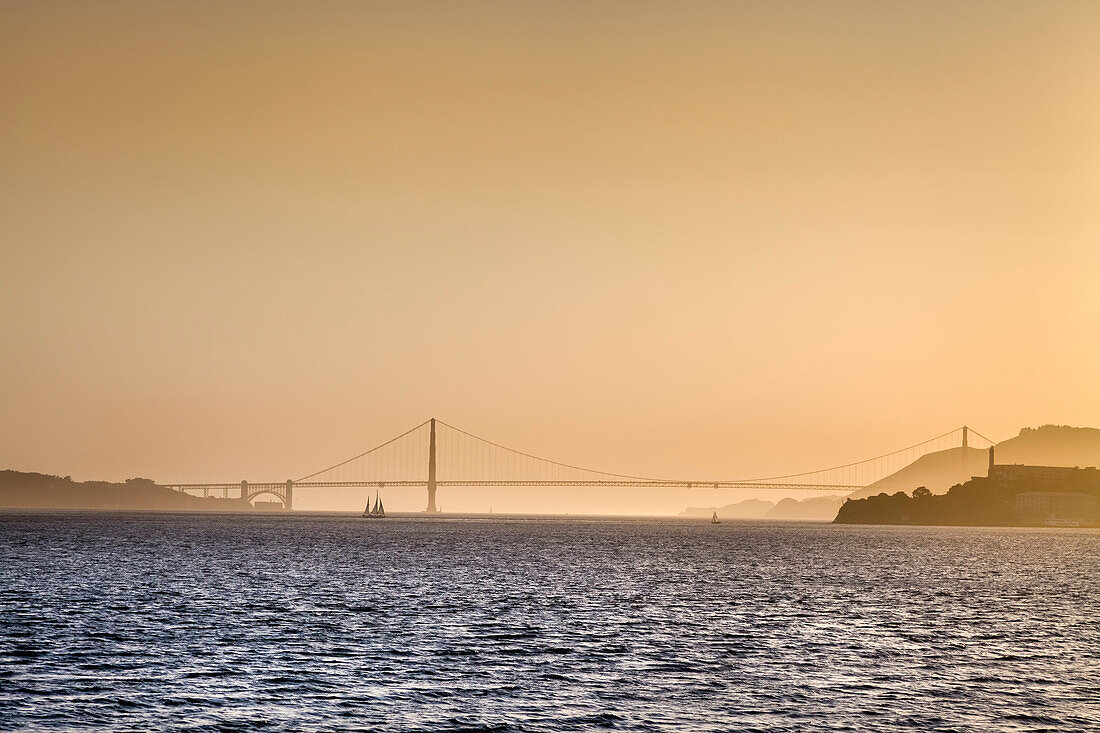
(1052, 445)
(1049, 445)
(20, 490)
(937, 472)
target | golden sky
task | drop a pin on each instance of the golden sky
(245, 240)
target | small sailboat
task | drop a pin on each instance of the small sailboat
(714, 518)
(378, 512)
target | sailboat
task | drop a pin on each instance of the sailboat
(378, 512)
(714, 518)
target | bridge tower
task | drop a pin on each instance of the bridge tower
(432, 508)
(966, 450)
(288, 502)
(963, 477)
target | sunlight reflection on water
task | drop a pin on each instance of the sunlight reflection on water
(322, 622)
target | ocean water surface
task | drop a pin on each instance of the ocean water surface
(327, 622)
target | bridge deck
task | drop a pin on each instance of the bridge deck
(474, 482)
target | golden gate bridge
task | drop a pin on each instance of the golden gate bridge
(434, 454)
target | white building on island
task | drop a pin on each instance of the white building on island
(1056, 508)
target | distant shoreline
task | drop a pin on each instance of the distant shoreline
(21, 490)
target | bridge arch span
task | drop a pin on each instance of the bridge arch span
(266, 492)
(283, 492)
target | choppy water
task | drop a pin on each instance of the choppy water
(153, 621)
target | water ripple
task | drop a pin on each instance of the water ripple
(147, 621)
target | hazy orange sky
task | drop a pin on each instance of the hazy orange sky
(245, 240)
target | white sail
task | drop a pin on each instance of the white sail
(377, 510)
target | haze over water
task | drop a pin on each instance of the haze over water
(669, 239)
(148, 621)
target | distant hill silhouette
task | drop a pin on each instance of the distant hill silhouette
(1049, 445)
(747, 509)
(1052, 445)
(817, 507)
(937, 471)
(20, 490)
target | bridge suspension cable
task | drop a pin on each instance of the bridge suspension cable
(870, 460)
(469, 459)
(461, 458)
(547, 460)
(364, 453)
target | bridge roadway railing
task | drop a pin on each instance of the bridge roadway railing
(626, 483)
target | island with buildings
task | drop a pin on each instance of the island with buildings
(1008, 495)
